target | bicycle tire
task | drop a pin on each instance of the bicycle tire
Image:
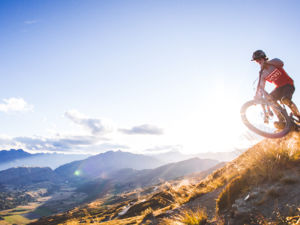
(278, 134)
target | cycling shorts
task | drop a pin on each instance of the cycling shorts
(283, 91)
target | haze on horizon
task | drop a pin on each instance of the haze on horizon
(139, 76)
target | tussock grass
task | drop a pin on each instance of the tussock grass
(188, 217)
(148, 214)
(231, 192)
(262, 163)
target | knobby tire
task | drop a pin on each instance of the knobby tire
(278, 134)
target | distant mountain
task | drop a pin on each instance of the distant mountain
(101, 164)
(164, 173)
(27, 176)
(20, 158)
(128, 179)
(13, 154)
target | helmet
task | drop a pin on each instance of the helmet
(258, 54)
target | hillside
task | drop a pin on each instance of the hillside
(23, 176)
(168, 172)
(130, 179)
(262, 186)
(52, 193)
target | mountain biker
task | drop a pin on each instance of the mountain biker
(273, 72)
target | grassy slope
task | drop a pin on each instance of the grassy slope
(264, 172)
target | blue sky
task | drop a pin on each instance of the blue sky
(90, 76)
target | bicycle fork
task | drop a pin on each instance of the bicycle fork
(267, 113)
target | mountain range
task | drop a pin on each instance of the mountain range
(13, 154)
(128, 178)
(20, 158)
(101, 164)
(122, 168)
(105, 173)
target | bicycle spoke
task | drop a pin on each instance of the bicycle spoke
(265, 119)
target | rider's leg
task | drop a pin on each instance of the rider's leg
(274, 97)
(291, 105)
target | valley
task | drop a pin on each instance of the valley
(42, 204)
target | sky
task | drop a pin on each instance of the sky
(88, 76)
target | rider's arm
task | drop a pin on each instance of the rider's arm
(275, 62)
(260, 86)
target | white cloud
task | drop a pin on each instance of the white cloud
(145, 129)
(95, 125)
(58, 143)
(55, 143)
(15, 105)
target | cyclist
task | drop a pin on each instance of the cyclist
(273, 72)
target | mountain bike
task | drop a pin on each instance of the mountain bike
(261, 116)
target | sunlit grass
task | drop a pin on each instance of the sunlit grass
(263, 163)
(188, 217)
(17, 219)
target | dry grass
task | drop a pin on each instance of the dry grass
(262, 163)
(280, 220)
(231, 192)
(188, 217)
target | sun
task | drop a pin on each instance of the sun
(214, 125)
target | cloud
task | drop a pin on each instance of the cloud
(95, 126)
(15, 105)
(30, 22)
(57, 143)
(67, 142)
(144, 129)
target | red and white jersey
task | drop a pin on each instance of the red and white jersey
(279, 77)
(275, 74)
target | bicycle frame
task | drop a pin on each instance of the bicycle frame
(267, 98)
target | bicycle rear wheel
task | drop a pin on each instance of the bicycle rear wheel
(253, 117)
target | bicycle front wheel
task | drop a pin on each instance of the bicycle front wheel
(254, 117)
